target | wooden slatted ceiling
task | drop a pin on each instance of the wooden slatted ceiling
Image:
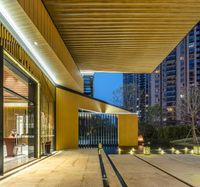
(122, 35)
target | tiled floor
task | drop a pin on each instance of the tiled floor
(138, 173)
(20, 158)
(71, 168)
(183, 166)
(80, 167)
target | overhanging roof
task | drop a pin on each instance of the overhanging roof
(122, 35)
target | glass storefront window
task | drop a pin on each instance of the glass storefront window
(19, 139)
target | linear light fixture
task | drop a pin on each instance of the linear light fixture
(87, 72)
(31, 47)
(15, 104)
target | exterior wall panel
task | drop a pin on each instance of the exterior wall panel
(128, 130)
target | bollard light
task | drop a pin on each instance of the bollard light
(177, 152)
(159, 149)
(173, 149)
(146, 150)
(196, 150)
(131, 152)
(100, 146)
(192, 152)
(186, 150)
(162, 152)
(119, 150)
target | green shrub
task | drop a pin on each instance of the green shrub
(164, 133)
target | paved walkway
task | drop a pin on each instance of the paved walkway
(138, 173)
(71, 168)
(185, 167)
(81, 168)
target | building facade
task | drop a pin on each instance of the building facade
(142, 99)
(163, 87)
(88, 84)
(173, 77)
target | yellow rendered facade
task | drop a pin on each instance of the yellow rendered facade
(128, 129)
(67, 106)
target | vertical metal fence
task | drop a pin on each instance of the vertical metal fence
(95, 128)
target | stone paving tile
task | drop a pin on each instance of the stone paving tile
(184, 166)
(72, 168)
(138, 173)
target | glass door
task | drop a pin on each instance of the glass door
(19, 129)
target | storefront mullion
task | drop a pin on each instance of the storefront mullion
(1, 113)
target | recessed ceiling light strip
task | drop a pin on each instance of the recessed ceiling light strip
(30, 48)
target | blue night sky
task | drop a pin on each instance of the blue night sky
(105, 84)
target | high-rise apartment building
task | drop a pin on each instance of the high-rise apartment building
(88, 84)
(163, 86)
(129, 91)
(142, 100)
(178, 71)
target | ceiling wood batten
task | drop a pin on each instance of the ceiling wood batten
(122, 35)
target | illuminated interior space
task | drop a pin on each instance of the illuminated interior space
(19, 116)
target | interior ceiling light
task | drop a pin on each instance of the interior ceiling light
(36, 43)
(7, 19)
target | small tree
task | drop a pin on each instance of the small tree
(154, 115)
(190, 109)
(126, 96)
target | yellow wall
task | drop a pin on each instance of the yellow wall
(128, 129)
(67, 106)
